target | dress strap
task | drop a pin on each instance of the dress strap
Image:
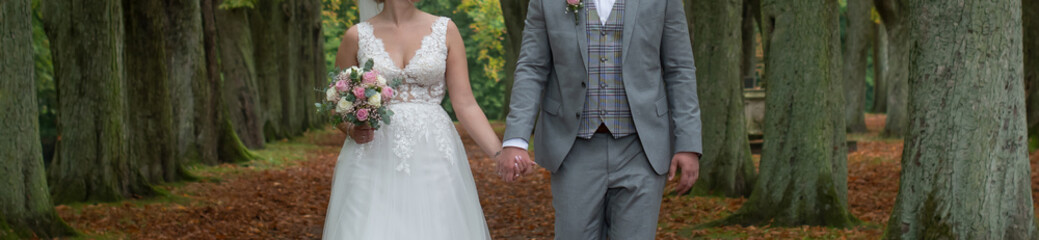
(440, 29)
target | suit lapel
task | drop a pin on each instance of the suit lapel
(582, 33)
(631, 14)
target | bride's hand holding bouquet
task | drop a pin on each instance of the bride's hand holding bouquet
(356, 99)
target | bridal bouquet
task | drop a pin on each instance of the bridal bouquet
(359, 96)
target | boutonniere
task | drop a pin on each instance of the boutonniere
(574, 6)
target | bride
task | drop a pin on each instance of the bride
(411, 178)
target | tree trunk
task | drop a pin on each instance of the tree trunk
(896, 73)
(855, 52)
(273, 34)
(186, 68)
(241, 94)
(804, 174)
(92, 161)
(880, 50)
(217, 139)
(1030, 16)
(312, 59)
(514, 13)
(715, 28)
(965, 169)
(150, 113)
(26, 210)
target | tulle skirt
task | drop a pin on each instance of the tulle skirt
(411, 182)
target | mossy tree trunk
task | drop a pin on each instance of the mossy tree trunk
(312, 58)
(92, 162)
(186, 68)
(855, 51)
(514, 13)
(880, 50)
(716, 33)
(217, 139)
(965, 169)
(896, 72)
(1030, 18)
(803, 179)
(275, 71)
(241, 95)
(150, 113)
(26, 209)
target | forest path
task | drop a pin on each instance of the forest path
(284, 196)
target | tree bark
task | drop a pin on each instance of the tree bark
(92, 161)
(273, 33)
(855, 52)
(312, 59)
(26, 209)
(241, 94)
(896, 73)
(150, 113)
(965, 169)
(1030, 18)
(804, 173)
(217, 139)
(716, 33)
(514, 13)
(880, 50)
(186, 68)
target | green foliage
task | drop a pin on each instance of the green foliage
(233, 4)
(336, 17)
(46, 89)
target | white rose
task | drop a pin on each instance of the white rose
(331, 95)
(381, 81)
(356, 69)
(344, 106)
(375, 100)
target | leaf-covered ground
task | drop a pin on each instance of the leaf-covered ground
(284, 196)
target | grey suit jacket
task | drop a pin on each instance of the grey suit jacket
(659, 80)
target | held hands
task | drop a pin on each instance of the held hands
(512, 162)
(360, 134)
(689, 163)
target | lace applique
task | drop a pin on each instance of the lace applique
(417, 104)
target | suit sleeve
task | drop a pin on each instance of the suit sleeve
(532, 70)
(679, 72)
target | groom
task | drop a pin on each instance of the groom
(612, 88)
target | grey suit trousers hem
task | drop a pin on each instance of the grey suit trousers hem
(606, 189)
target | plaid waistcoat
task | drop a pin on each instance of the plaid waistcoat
(606, 102)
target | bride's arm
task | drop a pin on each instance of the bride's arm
(347, 57)
(466, 109)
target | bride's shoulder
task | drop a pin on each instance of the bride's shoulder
(351, 35)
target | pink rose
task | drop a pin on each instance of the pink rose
(362, 114)
(359, 92)
(387, 93)
(342, 86)
(573, 2)
(371, 77)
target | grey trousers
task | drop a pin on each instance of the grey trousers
(606, 188)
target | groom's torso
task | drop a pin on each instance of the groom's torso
(604, 74)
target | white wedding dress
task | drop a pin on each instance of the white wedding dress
(412, 181)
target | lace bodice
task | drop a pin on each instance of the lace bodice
(423, 77)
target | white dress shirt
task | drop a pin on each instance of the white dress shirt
(603, 7)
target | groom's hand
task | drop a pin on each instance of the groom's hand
(689, 164)
(512, 162)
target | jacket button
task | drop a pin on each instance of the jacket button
(578, 115)
(582, 85)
